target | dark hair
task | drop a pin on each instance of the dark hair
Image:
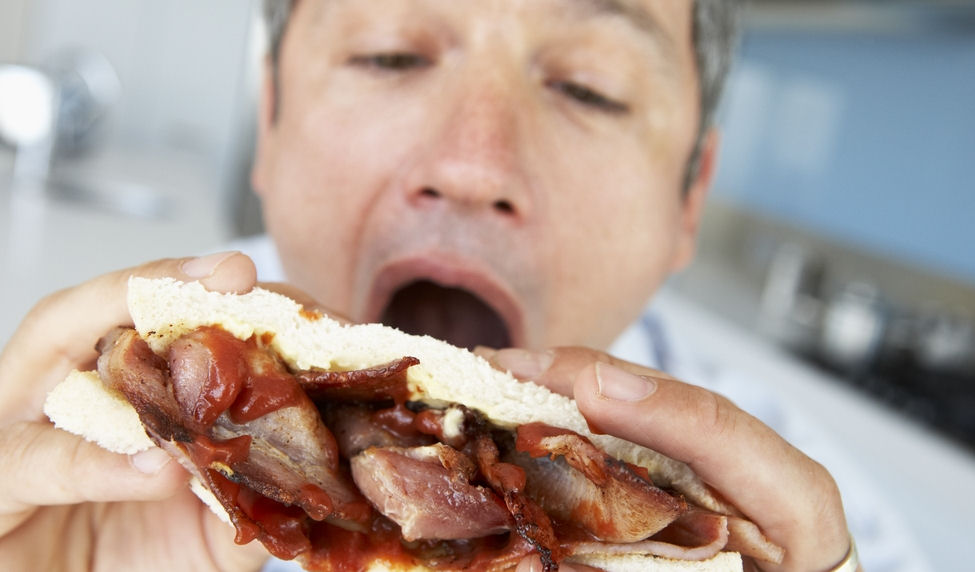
(715, 31)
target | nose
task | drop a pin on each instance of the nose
(471, 159)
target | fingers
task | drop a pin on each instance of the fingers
(59, 333)
(219, 539)
(556, 368)
(45, 466)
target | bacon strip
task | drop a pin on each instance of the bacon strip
(531, 522)
(358, 426)
(613, 500)
(292, 452)
(371, 384)
(707, 534)
(127, 365)
(428, 492)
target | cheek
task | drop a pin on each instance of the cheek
(615, 227)
(320, 189)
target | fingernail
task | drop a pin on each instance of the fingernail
(484, 352)
(150, 461)
(204, 266)
(619, 385)
(523, 363)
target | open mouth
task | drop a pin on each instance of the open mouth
(451, 314)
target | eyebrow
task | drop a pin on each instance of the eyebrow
(637, 16)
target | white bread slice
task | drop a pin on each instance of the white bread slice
(721, 562)
(82, 405)
(304, 339)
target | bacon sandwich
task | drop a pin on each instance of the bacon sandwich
(360, 447)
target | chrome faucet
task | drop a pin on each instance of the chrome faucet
(56, 111)
(29, 104)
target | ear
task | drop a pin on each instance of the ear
(693, 202)
(265, 130)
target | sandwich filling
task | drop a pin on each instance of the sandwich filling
(341, 468)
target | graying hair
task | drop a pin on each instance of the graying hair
(715, 34)
(276, 15)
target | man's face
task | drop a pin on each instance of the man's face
(489, 172)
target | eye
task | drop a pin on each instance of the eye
(391, 61)
(587, 96)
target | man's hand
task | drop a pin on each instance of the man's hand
(67, 504)
(793, 499)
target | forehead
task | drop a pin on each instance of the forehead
(665, 23)
(660, 22)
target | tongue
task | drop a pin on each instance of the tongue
(450, 314)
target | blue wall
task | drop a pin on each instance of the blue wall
(867, 138)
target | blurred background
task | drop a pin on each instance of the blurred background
(839, 240)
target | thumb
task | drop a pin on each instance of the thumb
(47, 466)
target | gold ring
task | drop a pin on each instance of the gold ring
(851, 562)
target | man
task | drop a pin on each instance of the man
(505, 173)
